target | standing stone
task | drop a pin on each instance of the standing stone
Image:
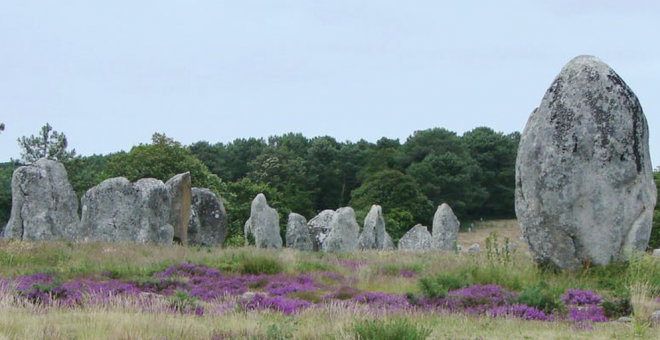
(207, 225)
(180, 192)
(584, 183)
(445, 228)
(344, 232)
(319, 228)
(264, 224)
(416, 239)
(374, 235)
(297, 233)
(118, 211)
(44, 206)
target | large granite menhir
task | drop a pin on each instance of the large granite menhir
(263, 224)
(584, 183)
(44, 206)
(119, 211)
(207, 224)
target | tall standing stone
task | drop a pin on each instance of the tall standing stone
(44, 206)
(319, 228)
(416, 239)
(180, 192)
(118, 211)
(445, 228)
(374, 235)
(264, 224)
(297, 233)
(344, 232)
(584, 183)
(207, 225)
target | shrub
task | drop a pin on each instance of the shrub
(540, 296)
(394, 330)
(314, 266)
(617, 307)
(183, 302)
(260, 265)
(438, 286)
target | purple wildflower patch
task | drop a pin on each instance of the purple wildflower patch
(277, 303)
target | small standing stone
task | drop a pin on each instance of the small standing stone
(344, 232)
(319, 228)
(416, 239)
(445, 228)
(297, 233)
(374, 235)
(264, 224)
(180, 192)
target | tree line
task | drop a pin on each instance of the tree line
(474, 173)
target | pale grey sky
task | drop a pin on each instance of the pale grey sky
(111, 73)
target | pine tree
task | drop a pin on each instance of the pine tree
(49, 143)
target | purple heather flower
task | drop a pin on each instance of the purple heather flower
(520, 311)
(580, 297)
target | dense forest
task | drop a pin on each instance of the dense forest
(474, 173)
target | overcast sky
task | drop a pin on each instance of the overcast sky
(111, 73)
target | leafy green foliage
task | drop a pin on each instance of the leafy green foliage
(256, 265)
(49, 144)
(162, 159)
(437, 286)
(541, 295)
(6, 171)
(396, 329)
(85, 172)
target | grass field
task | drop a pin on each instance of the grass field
(65, 290)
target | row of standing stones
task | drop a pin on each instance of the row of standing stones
(338, 231)
(584, 191)
(44, 208)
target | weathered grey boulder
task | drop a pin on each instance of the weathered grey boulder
(474, 248)
(389, 243)
(416, 239)
(264, 224)
(44, 206)
(584, 184)
(207, 224)
(319, 228)
(445, 228)
(297, 233)
(344, 232)
(118, 211)
(180, 192)
(374, 235)
(656, 252)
